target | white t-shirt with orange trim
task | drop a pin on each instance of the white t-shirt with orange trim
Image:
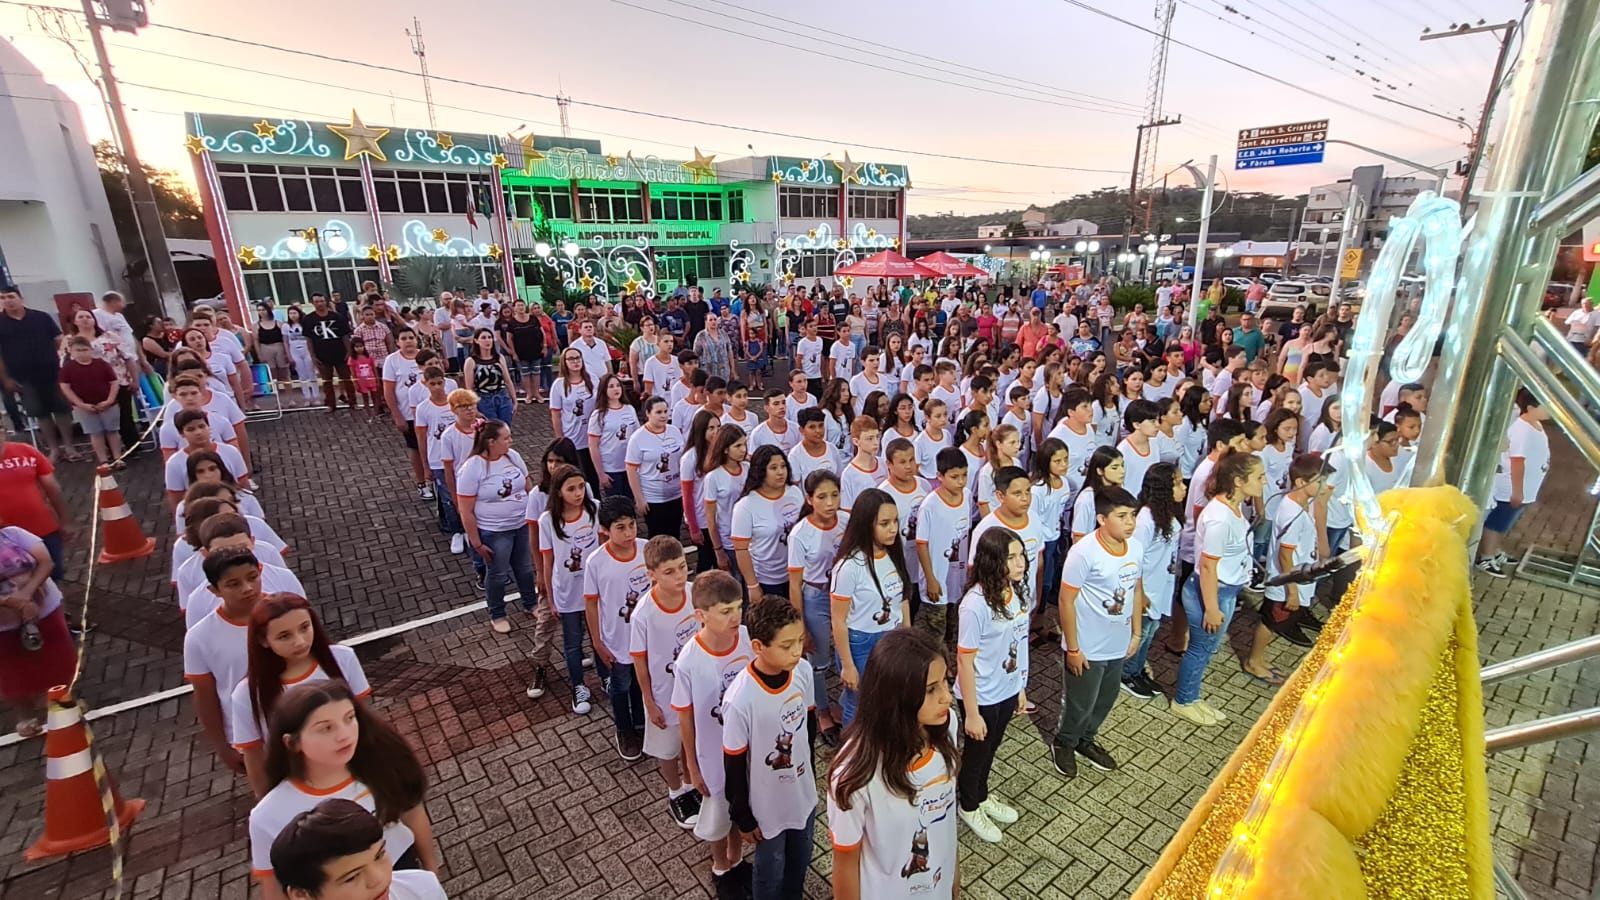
(927, 447)
(721, 488)
(274, 579)
(455, 446)
(761, 524)
(874, 602)
(861, 387)
(909, 505)
(748, 423)
(435, 420)
(176, 472)
(694, 508)
(192, 575)
(658, 635)
(768, 726)
(792, 405)
(500, 487)
(249, 730)
(764, 436)
(802, 462)
(566, 556)
(615, 584)
(1000, 645)
(656, 456)
(1032, 545)
(854, 479)
(700, 684)
(218, 648)
(812, 549)
(1294, 528)
(291, 798)
(907, 849)
(613, 427)
(944, 528)
(1080, 446)
(1224, 535)
(1107, 583)
(1136, 464)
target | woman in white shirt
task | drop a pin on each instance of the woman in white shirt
(653, 470)
(1329, 423)
(1223, 565)
(492, 496)
(813, 544)
(1157, 528)
(871, 588)
(610, 425)
(768, 507)
(1516, 485)
(571, 401)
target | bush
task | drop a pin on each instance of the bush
(1125, 296)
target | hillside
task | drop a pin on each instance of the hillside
(1256, 216)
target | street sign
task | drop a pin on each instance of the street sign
(1350, 265)
(1295, 144)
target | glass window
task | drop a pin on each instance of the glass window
(355, 199)
(411, 197)
(325, 194)
(269, 197)
(258, 285)
(458, 197)
(236, 192)
(388, 194)
(736, 206)
(438, 198)
(297, 194)
(287, 287)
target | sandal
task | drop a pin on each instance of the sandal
(1274, 676)
(27, 729)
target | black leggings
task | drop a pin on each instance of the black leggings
(977, 757)
(665, 518)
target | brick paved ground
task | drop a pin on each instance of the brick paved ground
(529, 801)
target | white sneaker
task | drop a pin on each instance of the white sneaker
(1216, 714)
(425, 491)
(1195, 712)
(997, 811)
(981, 826)
(458, 543)
(580, 700)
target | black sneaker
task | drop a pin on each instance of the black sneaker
(1137, 686)
(630, 746)
(481, 578)
(693, 800)
(727, 885)
(1065, 762)
(1149, 684)
(1097, 756)
(536, 690)
(681, 813)
(1307, 619)
(1491, 567)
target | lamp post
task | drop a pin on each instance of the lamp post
(300, 239)
(1223, 254)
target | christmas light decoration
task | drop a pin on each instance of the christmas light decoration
(359, 139)
(247, 256)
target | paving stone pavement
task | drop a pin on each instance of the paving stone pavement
(530, 801)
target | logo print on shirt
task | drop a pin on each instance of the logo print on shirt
(326, 331)
(577, 408)
(505, 488)
(666, 460)
(782, 757)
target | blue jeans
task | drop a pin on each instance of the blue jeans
(1054, 559)
(781, 862)
(861, 644)
(497, 405)
(818, 610)
(445, 506)
(627, 704)
(619, 485)
(1203, 644)
(1134, 664)
(510, 554)
(573, 625)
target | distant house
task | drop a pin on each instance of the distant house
(1036, 223)
(992, 231)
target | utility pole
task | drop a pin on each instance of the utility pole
(130, 16)
(1475, 154)
(421, 51)
(1138, 161)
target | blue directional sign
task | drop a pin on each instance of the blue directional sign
(1282, 155)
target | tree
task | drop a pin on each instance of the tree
(180, 208)
(425, 277)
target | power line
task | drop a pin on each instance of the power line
(1252, 70)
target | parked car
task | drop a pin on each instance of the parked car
(1285, 297)
(1236, 283)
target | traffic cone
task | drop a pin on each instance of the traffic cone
(124, 539)
(74, 810)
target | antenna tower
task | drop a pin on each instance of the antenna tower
(421, 51)
(562, 102)
(1145, 164)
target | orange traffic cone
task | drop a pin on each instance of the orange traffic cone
(74, 814)
(124, 539)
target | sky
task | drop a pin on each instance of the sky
(1046, 92)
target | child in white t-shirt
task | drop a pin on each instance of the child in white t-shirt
(896, 836)
(762, 518)
(614, 581)
(944, 522)
(865, 469)
(870, 587)
(705, 668)
(769, 726)
(1102, 612)
(813, 544)
(216, 650)
(931, 440)
(569, 529)
(1157, 530)
(661, 627)
(777, 430)
(1298, 534)
(338, 845)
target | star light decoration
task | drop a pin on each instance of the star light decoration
(701, 165)
(529, 154)
(872, 232)
(499, 160)
(495, 252)
(777, 178)
(440, 235)
(612, 160)
(247, 256)
(841, 243)
(896, 243)
(393, 253)
(812, 234)
(374, 252)
(444, 141)
(882, 173)
(744, 277)
(783, 243)
(265, 129)
(631, 285)
(788, 278)
(195, 143)
(849, 171)
(359, 139)
(849, 281)
(585, 283)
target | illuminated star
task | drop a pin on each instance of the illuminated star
(849, 171)
(872, 232)
(849, 281)
(445, 141)
(701, 165)
(374, 252)
(812, 233)
(195, 143)
(529, 155)
(585, 283)
(805, 165)
(495, 252)
(783, 243)
(897, 243)
(788, 278)
(359, 140)
(440, 235)
(777, 177)
(744, 277)
(631, 285)
(612, 160)
(265, 129)
(247, 256)
(882, 173)
(393, 253)
(841, 243)
(499, 160)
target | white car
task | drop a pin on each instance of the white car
(1286, 296)
(1236, 283)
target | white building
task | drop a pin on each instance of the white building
(1036, 224)
(56, 233)
(1379, 199)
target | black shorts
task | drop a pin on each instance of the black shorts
(411, 435)
(42, 399)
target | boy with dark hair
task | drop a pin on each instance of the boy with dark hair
(738, 411)
(777, 429)
(769, 726)
(1137, 449)
(704, 669)
(90, 387)
(813, 452)
(660, 630)
(336, 851)
(1102, 610)
(195, 428)
(1076, 430)
(216, 650)
(944, 521)
(614, 580)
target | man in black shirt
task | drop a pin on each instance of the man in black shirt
(30, 341)
(1209, 326)
(696, 309)
(328, 333)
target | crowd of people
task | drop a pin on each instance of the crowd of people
(937, 485)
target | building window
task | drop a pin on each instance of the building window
(807, 202)
(610, 205)
(736, 206)
(268, 188)
(874, 205)
(819, 264)
(425, 193)
(555, 200)
(686, 206)
(294, 281)
(680, 266)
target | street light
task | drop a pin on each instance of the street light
(542, 249)
(570, 248)
(1081, 246)
(1094, 246)
(299, 240)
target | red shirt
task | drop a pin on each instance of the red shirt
(21, 501)
(93, 381)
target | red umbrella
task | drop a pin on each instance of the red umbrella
(889, 264)
(951, 267)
